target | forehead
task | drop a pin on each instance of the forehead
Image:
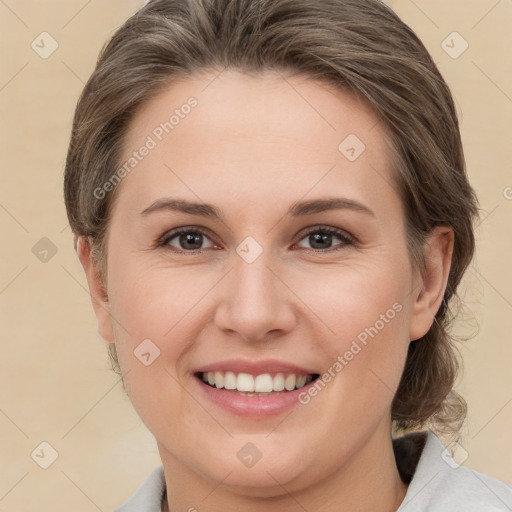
(241, 133)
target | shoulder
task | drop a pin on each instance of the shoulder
(149, 494)
(439, 484)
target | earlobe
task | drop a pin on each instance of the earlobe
(96, 290)
(429, 291)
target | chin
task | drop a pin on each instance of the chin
(260, 473)
(265, 480)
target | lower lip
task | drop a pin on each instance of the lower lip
(256, 406)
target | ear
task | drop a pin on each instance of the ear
(96, 290)
(429, 289)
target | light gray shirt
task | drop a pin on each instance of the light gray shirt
(436, 482)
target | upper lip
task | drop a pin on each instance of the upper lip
(255, 367)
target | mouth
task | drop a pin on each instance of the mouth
(264, 384)
(254, 388)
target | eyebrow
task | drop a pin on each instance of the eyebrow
(297, 209)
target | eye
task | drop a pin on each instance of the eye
(321, 238)
(188, 239)
(191, 239)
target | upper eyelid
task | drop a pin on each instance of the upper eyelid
(185, 229)
(301, 234)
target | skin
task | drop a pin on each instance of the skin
(253, 146)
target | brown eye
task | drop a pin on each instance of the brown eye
(185, 239)
(321, 238)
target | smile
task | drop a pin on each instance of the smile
(256, 385)
(254, 395)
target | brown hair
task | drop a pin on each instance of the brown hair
(357, 45)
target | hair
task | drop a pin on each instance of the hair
(359, 46)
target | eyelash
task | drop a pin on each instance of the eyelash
(346, 239)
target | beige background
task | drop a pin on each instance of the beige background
(56, 385)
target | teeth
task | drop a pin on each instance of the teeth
(229, 380)
(301, 381)
(278, 383)
(248, 384)
(245, 382)
(219, 379)
(289, 382)
(263, 383)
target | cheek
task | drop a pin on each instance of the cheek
(152, 302)
(155, 324)
(365, 314)
(358, 300)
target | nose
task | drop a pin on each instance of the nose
(256, 302)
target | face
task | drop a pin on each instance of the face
(270, 285)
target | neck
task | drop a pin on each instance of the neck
(368, 481)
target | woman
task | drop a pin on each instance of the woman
(288, 358)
